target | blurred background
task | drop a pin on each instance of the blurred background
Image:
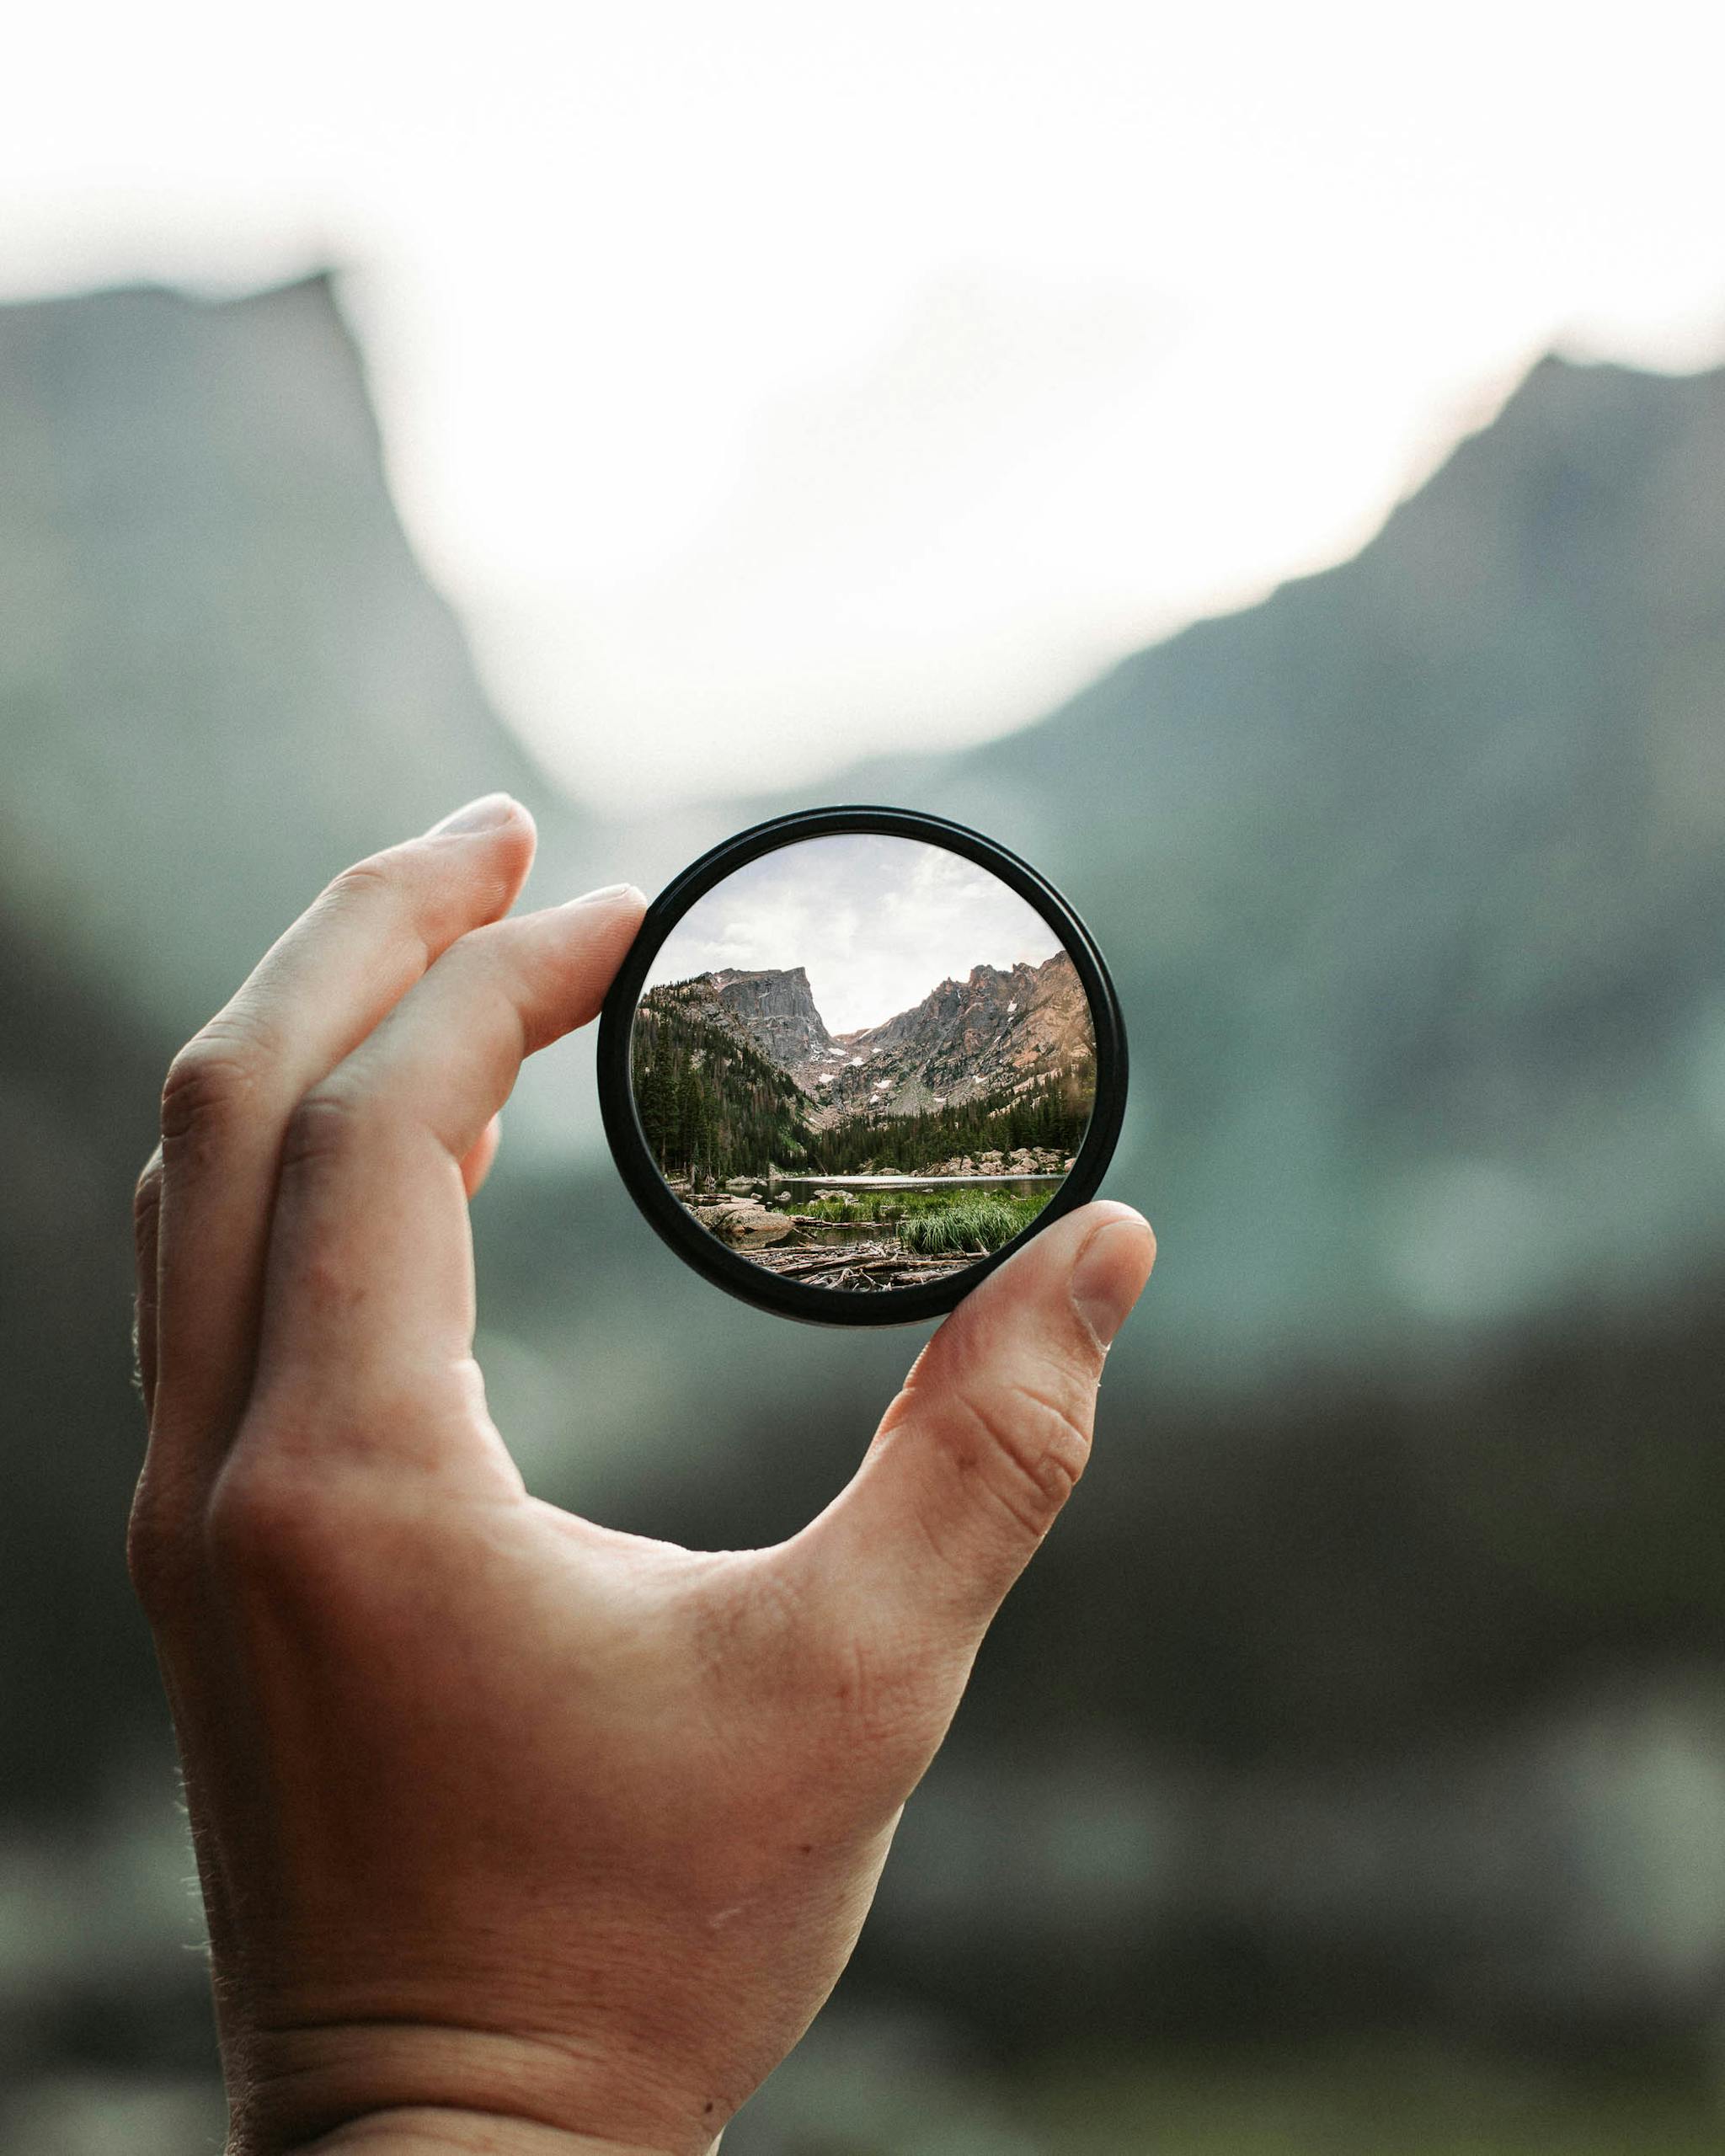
(1268, 465)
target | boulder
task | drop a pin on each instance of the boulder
(756, 1225)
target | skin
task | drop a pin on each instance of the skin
(517, 1835)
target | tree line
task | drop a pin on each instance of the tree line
(709, 1106)
(1053, 1114)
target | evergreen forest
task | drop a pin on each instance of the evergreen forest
(1054, 1113)
(709, 1106)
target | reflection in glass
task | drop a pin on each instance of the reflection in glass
(863, 1062)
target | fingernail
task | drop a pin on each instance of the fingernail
(598, 897)
(487, 814)
(1106, 1281)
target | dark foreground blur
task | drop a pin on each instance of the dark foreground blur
(1349, 1771)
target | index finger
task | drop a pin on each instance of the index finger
(369, 1292)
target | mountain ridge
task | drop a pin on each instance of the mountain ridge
(1411, 876)
(962, 1042)
(1411, 879)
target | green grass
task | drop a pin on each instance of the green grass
(864, 1205)
(972, 1222)
(933, 1223)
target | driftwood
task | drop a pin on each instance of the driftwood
(878, 1270)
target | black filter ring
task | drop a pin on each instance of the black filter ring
(634, 1160)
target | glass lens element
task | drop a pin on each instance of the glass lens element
(863, 1063)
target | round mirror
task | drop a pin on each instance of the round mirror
(854, 1058)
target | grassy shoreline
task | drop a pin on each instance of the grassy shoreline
(934, 1223)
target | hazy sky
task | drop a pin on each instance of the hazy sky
(876, 922)
(771, 383)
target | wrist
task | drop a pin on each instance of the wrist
(440, 2130)
(414, 2089)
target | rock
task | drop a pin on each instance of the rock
(744, 1220)
(755, 1226)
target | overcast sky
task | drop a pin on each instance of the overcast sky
(876, 923)
(770, 383)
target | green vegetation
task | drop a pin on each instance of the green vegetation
(876, 1205)
(861, 1205)
(709, 1106)
(934, 1221)
(976, 1220)
(1054, 1113)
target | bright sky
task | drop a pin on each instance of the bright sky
(773, 383)
(876, 922)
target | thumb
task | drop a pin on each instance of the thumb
(977, 1455)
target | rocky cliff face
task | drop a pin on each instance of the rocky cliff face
(994, 1033)
(775, 1009)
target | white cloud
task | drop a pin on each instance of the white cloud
(876, 921)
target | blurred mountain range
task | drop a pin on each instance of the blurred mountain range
(223, 675)
(1411, 876)
(1412, 880)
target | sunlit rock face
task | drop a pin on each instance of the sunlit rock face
(775, 1009)
(994, 1033)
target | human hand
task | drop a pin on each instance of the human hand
(515, 1832)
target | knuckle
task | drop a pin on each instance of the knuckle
(376, 881)
(1030, 1447)
(319, 1132)
(284, 1540)
(146, 1196)
(385, 891)
(153, 1556)
(208, 1088)
(261, 1525)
